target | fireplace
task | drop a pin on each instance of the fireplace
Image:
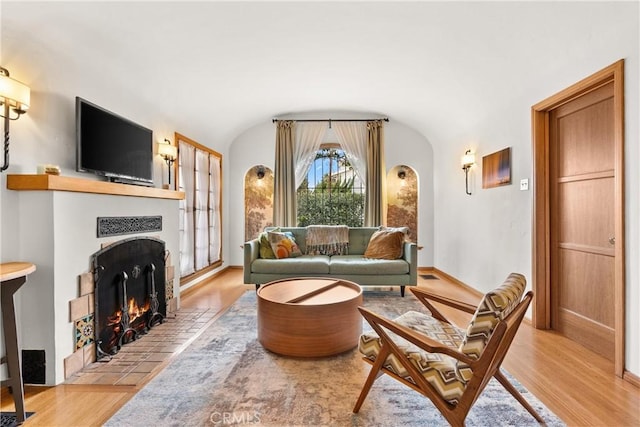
(130, 299)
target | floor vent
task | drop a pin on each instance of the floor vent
(428, 277)
(33, 367)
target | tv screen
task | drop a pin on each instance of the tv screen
(112, 146)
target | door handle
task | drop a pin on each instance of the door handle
(612, 240)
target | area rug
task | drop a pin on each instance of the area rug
(225, 377)
(9, 419)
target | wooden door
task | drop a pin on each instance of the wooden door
(582, 175)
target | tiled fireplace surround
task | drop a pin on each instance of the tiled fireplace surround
(82, 314)
(57, 233)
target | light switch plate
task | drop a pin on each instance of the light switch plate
(524, 184)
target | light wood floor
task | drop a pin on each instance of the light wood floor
(573, 382)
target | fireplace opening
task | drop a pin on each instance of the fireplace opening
(129, 278)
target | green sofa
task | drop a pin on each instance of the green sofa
(354, 267)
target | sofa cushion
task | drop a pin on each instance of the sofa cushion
(305, 264)
(283, 245)
(359, 239)
(356, 264)
(385, 244)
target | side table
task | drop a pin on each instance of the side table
(12, 276)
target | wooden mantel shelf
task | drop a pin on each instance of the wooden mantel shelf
(44, 182)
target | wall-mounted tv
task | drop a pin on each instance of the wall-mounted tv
(112, 146)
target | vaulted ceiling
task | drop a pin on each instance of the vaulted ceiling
(217, 68)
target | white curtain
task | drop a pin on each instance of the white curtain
(308, 137)
(352, 137)
(201, 208)
(215, 223)
(186, 165)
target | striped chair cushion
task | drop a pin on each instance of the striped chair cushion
(438, 369)
(494, 307)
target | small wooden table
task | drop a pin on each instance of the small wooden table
(309, 317)
(12, 276)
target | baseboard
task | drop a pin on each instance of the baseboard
(631, 378)
(204, 281)
(450, 278)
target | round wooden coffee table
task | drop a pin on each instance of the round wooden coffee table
(309, 317)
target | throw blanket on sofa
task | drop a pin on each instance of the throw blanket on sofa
(327, 239)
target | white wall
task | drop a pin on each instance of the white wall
(403, 145)
(479, 239)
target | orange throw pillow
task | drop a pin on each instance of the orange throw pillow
(385, 245)
(283, 245)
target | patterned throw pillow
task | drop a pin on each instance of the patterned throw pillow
(283, 245)
(265, 246)
(385, 245)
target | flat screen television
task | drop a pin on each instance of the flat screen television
(112, 146)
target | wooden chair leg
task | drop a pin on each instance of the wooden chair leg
(515, 393)
(372, 377)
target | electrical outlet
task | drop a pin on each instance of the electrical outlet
(524, 184)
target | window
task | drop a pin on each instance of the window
(332, 193)
(199, 176)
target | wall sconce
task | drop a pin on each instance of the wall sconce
(15, 97)
(169, 153)
(467, 161)
(260, 173)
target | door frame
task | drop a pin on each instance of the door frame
(541, 271)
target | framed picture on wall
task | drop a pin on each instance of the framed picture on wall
(496, 169)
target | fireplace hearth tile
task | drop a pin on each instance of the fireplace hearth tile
(140, 360)
(170, 272)
(159, 357)
(79, 308)
(86, 284)
(168, 291)
(145, 367)
(84, 332)
(88, 378)
(108, 379)
(133, 378)
(73, 363)
(89, 353)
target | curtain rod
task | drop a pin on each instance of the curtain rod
(386, 119)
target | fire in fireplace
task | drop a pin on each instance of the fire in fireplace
(127, 304)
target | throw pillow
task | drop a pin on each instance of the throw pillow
(404, 230)
(265, 247)
(385, 245)
(283, 245)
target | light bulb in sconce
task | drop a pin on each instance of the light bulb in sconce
(468, 159)
(15, 98)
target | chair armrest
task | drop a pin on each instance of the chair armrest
(427, 344)
(425, 296)
(251, 253)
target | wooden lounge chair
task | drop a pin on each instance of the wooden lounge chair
(444, 363)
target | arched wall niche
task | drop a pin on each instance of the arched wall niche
(402, 199)
(258, 200)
